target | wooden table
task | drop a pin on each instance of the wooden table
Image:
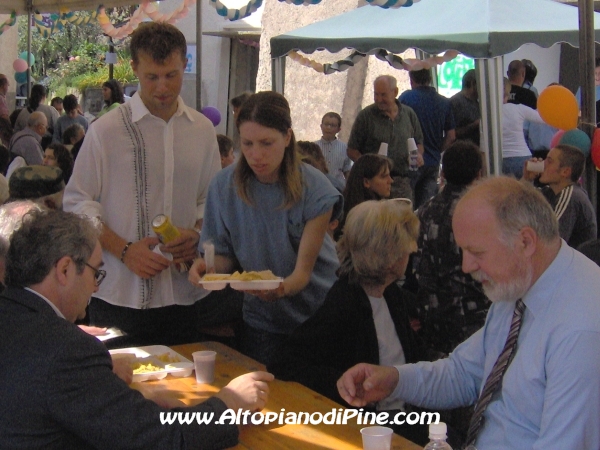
(293, 397)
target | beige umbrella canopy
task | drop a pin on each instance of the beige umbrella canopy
(56, 6)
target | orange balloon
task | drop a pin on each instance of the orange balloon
(558, 107)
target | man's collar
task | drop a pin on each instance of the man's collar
(139, 110)
(33, 133)
(536, 298)
(383, 113)
(52, 305)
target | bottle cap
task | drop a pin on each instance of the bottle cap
(437, 430)
(412, 145)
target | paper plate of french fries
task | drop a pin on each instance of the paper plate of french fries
(244, 281)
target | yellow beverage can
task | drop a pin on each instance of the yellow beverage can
(164, 228)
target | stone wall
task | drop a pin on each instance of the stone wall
(312, 94)
(8, 50)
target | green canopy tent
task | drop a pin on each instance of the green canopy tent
(482, 29)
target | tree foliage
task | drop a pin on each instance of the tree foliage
(75, 52)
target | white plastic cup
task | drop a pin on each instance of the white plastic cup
(535, 166)
(383, 149)
(377, 438)
(204, 365)
(412, 145)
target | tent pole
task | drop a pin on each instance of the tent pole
(278, 74)
(29, 17)
(491, 80)
(198, 56)
(588, 90)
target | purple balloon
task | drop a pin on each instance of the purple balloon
(212, 114)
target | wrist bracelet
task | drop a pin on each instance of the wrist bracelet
(125, 251)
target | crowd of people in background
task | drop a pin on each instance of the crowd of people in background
(409, 280)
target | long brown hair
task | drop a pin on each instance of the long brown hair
(270, 110)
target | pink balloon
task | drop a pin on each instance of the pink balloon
(20, 65)
(556, 138)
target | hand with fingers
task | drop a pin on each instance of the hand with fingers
(183, 248)
(247, 392)
(141, 260)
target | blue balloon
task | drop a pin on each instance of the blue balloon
(577, 138)
(21, 77)
(31, 61)
(212, 114)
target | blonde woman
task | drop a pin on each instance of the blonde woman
(366, 316)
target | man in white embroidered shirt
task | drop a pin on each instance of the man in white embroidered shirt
(152, 155)
(542, 331)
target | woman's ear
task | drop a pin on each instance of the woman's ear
(366, 183)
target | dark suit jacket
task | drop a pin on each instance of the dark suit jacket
(58, 390)
(341, 334)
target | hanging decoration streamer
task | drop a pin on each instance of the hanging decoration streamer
(46, 24)
(152, 11)
(125, 30)
(392, 3)
(235, 14)
(393, 60)
(381, 3)
(8, 23)
(302, 2)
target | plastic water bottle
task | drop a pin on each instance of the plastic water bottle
(414, 158)
(437, 434)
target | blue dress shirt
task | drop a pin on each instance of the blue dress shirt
(550, 394)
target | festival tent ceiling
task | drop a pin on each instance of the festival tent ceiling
(55, 6)
(476, 28)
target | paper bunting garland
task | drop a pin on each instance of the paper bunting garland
(393, 60)
(152, 11)
(301, 2)
(392, 3)
(125, 30)
(8, 23)
(46, 24)
(235, 14)
(381, 3)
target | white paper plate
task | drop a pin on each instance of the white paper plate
(255, 285)
(149, 354)
(215, 285)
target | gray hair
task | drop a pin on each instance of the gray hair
(35, 119)
(11, 218)
(517, 205)
(72, 131)
(43, 239)
(390, 80)
(377, 234)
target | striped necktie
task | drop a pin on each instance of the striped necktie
(495, 377)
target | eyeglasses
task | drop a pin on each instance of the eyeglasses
(99, 274)
(329, 125)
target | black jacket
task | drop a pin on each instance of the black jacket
(341, 334)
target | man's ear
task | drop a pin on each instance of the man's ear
(63, 266)
(528, 240)
(566, 172)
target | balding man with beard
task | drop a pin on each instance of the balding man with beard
(532, 370)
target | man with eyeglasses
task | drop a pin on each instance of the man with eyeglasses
(27, 143)
(56, 382)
